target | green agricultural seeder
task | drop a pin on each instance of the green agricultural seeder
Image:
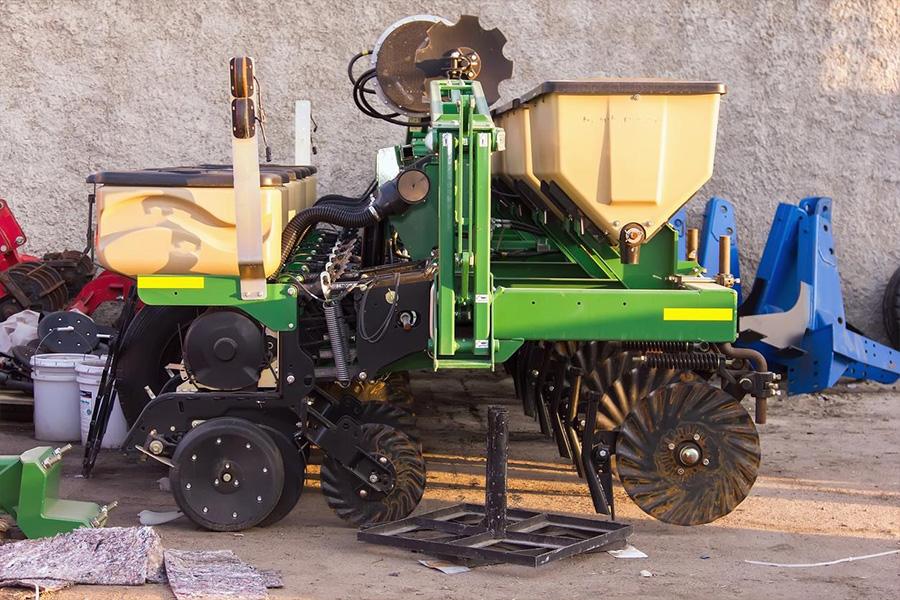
(534, 237)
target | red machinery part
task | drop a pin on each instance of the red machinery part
(106, 287)
(11, 239)
(40, 278)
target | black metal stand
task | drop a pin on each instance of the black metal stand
(492, 533)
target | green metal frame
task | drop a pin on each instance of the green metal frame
(277, 311)
(29, 486)
(569, 285)
(547, 281)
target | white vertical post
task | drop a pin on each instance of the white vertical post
(302, 132)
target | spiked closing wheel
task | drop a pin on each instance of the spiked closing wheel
(228, 474)
(622, 384)
(355, 502)
(688, 453)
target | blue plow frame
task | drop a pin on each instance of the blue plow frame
(794, 314)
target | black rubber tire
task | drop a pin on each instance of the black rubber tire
(187, 482)
(339, 486)
(294, 476)
(891, 309)
(151, 342)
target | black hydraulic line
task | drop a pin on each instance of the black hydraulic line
(304, 220)
(352, 63)
(7, 382)
(387, 200)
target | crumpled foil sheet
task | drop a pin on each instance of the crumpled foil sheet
(97, 556)
(213, 574)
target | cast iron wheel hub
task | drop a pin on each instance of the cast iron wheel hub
(688, 453)
(228, 474)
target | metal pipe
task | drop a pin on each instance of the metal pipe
(761, 365)
(748, 353)
(495, 481)
(725, 255)
(692, 243)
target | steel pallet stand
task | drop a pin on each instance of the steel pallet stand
(492, 533)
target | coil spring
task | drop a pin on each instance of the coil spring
(685, 361)
(657, 346)
(334, 320)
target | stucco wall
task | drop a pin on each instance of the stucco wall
(812, 106)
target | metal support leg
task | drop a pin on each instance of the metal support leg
(495, 482)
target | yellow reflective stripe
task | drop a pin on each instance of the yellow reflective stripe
(698, 314)
(163, 282)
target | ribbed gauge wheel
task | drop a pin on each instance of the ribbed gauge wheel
(343, 490)
(228, 474)
(622, 384)
(688, 453)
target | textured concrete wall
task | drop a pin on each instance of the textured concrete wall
(812, 106)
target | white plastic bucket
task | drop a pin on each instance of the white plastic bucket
(56, 397)
(88, 374)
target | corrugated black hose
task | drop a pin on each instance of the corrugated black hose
(390, 199)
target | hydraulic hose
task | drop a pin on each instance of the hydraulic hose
(14, 384)
(336, 215)
(393, 197)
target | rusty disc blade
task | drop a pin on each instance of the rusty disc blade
(466, 34)
(688, 453)
(622, 383)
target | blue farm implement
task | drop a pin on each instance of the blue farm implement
(794, 314)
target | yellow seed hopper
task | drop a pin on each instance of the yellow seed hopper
(614, 151)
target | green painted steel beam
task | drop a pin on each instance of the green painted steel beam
(708, 313)
(278, 311)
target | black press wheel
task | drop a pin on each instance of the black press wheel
(294, 475)
(347, 496)
(228, 474)
(891, 309)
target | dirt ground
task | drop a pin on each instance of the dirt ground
(829, 488)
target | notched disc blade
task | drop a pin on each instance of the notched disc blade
(401, 84)
(443, 39)
(651, 465)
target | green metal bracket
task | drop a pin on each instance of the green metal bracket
(464, 136)
(278, 311)
(29, 486)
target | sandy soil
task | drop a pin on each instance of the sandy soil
(829, 488)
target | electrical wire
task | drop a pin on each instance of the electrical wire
(382, 329)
